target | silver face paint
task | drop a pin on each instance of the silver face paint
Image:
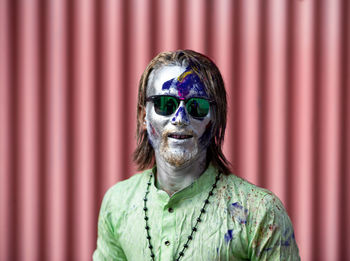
(166, 132)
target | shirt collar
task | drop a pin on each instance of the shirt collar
(200, 185)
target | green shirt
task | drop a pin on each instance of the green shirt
(241, 222)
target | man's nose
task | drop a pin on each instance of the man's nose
(181, 116)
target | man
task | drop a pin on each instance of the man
(188, 206)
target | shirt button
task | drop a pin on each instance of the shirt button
(167, 243)
(170, 210)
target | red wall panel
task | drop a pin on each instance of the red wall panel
(69, 72)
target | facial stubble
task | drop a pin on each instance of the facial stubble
(180, 155)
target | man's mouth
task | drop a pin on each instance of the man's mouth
(180, 136)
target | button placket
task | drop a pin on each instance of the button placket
(168, 232)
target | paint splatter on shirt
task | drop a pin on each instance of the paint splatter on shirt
(242, 222)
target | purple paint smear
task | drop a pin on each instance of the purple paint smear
(205, 138)
(186, 82)
(284, 242)
(228, 236)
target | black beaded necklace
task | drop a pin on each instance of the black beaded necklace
(194, 228)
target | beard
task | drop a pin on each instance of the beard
(177, 155)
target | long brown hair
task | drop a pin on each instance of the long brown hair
(210, 75)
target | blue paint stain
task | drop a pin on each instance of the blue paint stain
(181, 115)
(228, 236)
(150, 141)
(283, 243)
(168, 84)
(286, 232)
(238, 212)
(288, 239)
(186, 82)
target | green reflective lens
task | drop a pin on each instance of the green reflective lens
(197, 107)
(165, 105)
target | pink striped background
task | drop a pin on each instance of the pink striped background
(68, 84)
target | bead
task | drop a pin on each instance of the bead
(150, 246)
(148, 183)
(211, 193)
(206, 201)
(145, 199)
(149, 237)
(202, 210)
(145, 209)
(194, 229)
(185, 246)
(146, 218)
(181, 253)
(147, 227)
(152, 255)
(214, 185)
(199, 220)
(190, 237)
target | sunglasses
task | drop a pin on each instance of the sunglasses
(166, 105)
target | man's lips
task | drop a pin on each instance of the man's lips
(180, 136)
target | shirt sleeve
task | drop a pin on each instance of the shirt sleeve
(273, 234)
(108, 247)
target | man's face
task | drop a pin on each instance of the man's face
(179, 137)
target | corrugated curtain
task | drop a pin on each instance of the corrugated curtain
(69, 72)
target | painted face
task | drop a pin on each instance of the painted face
(178, 138)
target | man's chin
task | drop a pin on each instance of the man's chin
(178, 159)
(176, 162)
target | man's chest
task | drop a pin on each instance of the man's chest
(176, 229)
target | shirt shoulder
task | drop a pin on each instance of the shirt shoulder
(121, 194)
(256, 199)
(246, 192)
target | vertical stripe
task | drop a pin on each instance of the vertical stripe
(56, 107)
(329, 137)
(300, 126)
(221, 41)
(168, 25)
(249, 89)
(28, 130)
(274, 99)
(112, 90)
(84, 127)
(5, 147)
(345, 139)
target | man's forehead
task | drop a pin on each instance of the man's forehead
(162, 75)
(175, 80)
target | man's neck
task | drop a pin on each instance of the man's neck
(172, 179)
